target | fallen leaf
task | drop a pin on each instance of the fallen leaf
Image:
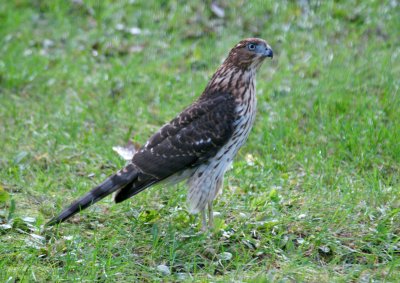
(135, 30)
(29, 219)
(225, 256)
(20, 156)
(217, 10)
(163, 269)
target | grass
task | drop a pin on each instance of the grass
(314, 196)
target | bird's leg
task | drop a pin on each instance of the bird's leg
(203, 220)
(210, 215)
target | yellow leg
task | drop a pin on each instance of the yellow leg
(203, 220)
(210, 215)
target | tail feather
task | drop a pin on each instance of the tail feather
(115, 182)
(139, 185)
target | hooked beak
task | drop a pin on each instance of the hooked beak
(268, 52)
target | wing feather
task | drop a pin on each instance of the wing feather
(189, 139)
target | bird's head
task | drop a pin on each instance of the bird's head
(249, 53)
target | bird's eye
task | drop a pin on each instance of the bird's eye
(251, 46)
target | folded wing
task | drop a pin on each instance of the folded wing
(190, 139)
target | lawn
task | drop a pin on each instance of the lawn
(313, 196)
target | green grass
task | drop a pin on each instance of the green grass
(314, 196)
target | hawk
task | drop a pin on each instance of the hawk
(199, 144)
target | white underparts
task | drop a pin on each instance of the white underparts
(206, 181)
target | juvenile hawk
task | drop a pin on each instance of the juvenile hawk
(197, 145)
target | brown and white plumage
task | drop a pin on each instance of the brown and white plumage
(197, 145)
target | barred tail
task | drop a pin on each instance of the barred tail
(113, 183)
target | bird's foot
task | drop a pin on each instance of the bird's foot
(210, 225)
